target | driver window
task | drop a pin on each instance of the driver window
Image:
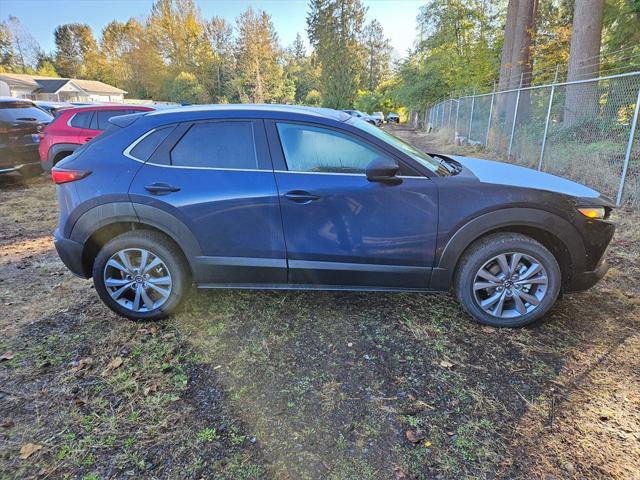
(313, 149)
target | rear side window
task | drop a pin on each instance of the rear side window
(313, 149)
(81, 120)
(145, 147)
(217, 145)
(101, 118)
(15, 112)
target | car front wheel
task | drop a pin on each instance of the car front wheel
(507, 280)
(141, 275)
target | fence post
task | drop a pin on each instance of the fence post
(450, 107)
(442, 116)
(493, 94)
(473, 104)
(546, 122)
(515, 117)
(455, 127)
(627, 154)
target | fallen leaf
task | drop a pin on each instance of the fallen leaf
(413, 437)
(427, 444)
(115, 363)
(150, 389)
(29, 449)
(7, 356)
(446, 364)
(82, 364)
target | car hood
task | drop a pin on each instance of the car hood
(500, 173)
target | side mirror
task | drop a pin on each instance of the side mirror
(383, 170)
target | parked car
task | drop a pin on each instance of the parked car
(77, 125)
(52, 107)
(393, 117)
(363, 116)
(20, 122)
(283, 197)
(379, 116)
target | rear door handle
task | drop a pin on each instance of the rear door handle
(300, 196)
(161, 188)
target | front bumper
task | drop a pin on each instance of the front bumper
(584, 280)
(70, 253)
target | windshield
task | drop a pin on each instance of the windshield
(419, 156)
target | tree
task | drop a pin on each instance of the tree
(301, 71)
(7, 55)
(259, 76)
(521, 61)
(185, 88)
(335, 29)
(219, 34)
(584, 60)
(76, 50)
(378, 51)
(24, 47)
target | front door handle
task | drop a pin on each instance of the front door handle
(159, 188)
(300, 196)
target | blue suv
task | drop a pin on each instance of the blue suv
(282, 197)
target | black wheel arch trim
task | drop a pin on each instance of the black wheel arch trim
(57, 148)
(97, 217)
(442, 274)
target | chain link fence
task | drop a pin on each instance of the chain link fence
(584, 130)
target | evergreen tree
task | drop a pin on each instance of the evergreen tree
(335, 29)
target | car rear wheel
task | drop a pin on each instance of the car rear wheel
(141, 275)
(507, 280)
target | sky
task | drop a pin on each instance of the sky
(40, 17)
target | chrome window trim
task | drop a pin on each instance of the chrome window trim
(127, 151)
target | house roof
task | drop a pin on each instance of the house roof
(52, 84)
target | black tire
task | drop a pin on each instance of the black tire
(159, 246)
(485, 249)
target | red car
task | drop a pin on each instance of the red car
(75, 126)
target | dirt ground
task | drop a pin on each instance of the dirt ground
(307, 385)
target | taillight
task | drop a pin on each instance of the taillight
(60, 175)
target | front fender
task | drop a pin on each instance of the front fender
(442, 274)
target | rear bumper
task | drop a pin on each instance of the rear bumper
(18, 168)
(585, 280)
(70, 253)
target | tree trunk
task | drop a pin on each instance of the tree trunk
(521, 60)
(584, 58)
(507, 47)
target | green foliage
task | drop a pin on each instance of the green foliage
(335, 28)
(313, 98)
(185, 88)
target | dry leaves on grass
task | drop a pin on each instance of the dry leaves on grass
(29, 449)
(446, 364)
(413, 437)
(82, 364)
(113, 364)
(7, 356)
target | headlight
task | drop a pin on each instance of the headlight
(593, 212)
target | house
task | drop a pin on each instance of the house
(53, 89)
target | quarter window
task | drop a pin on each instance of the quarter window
(101, 119)
(313, 149)
(217, 145)
(145, 147)
(81, 120)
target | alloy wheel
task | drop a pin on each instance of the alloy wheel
(510, 285)
(137, 279)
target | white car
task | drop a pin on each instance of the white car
(379, 116)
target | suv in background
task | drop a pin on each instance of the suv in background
(75, 126)
(393, 117)
(379, 116)
(20, 122)
(364, 116)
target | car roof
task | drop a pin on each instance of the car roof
(269, 110)
(114, 106)
(14, 100)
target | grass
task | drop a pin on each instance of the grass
(306, 385)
